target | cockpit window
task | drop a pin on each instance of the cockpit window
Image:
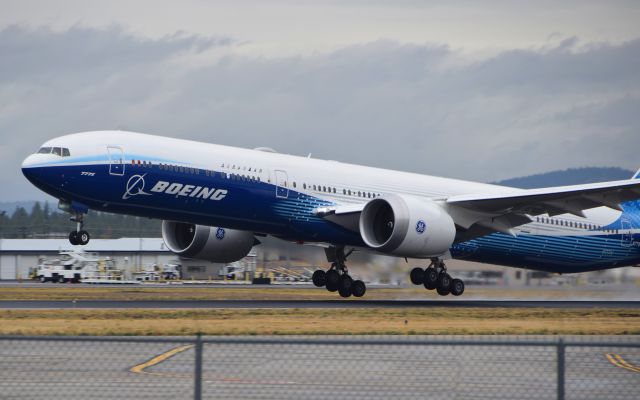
(59, 151)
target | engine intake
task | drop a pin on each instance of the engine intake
(407, 226)
(206, 242)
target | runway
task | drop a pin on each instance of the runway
(263, 304)
(316, 368)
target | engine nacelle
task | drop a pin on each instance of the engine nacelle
(206, 242)
(407, 226)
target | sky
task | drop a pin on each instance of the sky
(472, 90)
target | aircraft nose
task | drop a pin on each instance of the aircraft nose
(28, 166)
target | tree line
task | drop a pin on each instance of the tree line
(44, 222)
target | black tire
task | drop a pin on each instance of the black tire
(430, 278)
(358, 288)
(319, 278)
(43, 279)
(442, 291)
(457, 287)
(61, 279)
(332, 280)
(444, 281)
(345, 292)
(83, 237)
(417, 276)
(345, 282)
(73, 238)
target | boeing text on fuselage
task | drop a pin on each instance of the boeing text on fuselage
(136, 184)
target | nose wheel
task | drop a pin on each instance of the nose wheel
(337, 278)
(436, 277)
(79, 236)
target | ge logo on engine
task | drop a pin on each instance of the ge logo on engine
(421, 227)
(220, 234)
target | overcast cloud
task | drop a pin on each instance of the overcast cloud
(420, 106)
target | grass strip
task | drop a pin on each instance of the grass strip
(375, 321)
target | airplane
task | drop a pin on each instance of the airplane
(215, 201)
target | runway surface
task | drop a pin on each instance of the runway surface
(257, 304)
(389, 368)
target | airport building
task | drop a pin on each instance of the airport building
(19, 256)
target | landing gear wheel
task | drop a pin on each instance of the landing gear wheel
(319, 278)
(444, 283)
(332, 280)
(83, 237)
(345, 282)
(456, 287)
(345, 292)
(417, 276)
(430, 278)
(444, 280)
(358, 288)
(73, 238)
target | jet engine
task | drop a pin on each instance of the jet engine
(407, 226)
(206, 242)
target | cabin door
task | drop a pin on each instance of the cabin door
(116, 160)
(282, 186)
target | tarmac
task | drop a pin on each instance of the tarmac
(263, 304)
(359, 368)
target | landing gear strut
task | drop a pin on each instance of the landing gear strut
(436, 277)
(337, 278)
(79, 236)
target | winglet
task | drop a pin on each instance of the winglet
(636, 175)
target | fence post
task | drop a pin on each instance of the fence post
(197, 387)
(560, 357)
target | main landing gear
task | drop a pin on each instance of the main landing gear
(337, 278)
(79, 236)
(436, 277)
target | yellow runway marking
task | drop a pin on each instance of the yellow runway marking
(618, 361)
(140, 368)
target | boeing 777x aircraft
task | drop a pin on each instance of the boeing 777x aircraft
(214, 200)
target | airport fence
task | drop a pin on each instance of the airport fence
(318, 367)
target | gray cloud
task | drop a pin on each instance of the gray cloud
(422, 108)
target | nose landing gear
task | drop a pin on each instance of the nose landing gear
(337, 278)
(436, 277)
(79, 236)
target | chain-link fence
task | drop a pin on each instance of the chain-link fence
(318, 368)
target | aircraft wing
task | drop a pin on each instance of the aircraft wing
(502, 212)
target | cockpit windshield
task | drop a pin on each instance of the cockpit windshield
(59, 151)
